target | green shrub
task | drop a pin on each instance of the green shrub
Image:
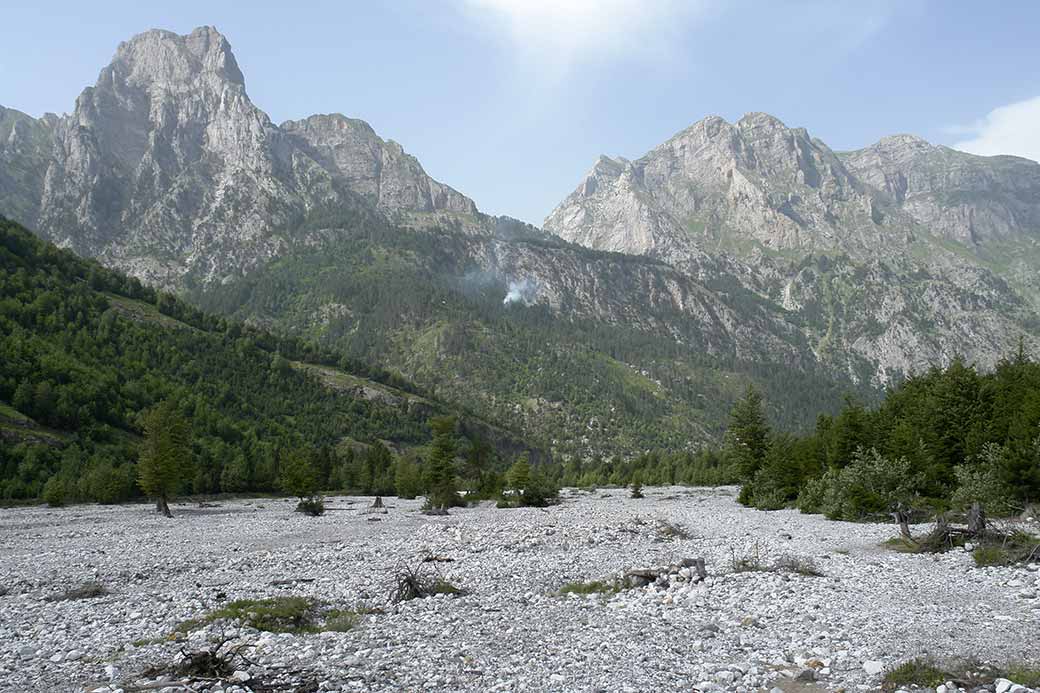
(539, 491)
(812, 496)
(54, 492)
(311, 506)
(869, 485)
(979, 481)
(591, 587)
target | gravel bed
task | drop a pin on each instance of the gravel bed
(511, 631)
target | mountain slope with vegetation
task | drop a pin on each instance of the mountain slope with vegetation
(84, 351)
(582, 378)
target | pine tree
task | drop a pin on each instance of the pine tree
(747, 437)
(519, 474)
(441, 492)
(165, 455)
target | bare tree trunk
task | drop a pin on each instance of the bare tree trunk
(976, 520)
(162, 506)
(902, 517)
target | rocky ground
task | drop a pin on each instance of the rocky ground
(871, 609)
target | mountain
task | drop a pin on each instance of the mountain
(758, 185)
(901, 255)
(167, 170)
(730, 255)
(85, 350)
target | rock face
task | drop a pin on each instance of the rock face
(755, 182)
(380, 171)
(165, 168)
(758, 185)
(902, 254)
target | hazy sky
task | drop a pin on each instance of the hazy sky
(511, 101)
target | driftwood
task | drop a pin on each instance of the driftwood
(290, 581)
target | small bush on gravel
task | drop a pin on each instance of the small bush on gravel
(968, 674)
(922, 671)
(799, 565)
(88, 590)
(749, 561)
(592, 587)
(637, 487)
(668, 531)
(314, 507)
(420, 582)
(278, 615)
(299, 477)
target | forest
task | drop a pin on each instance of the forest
(85, 353)
(942, 440)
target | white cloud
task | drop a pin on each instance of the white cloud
(557, 34)
(1012, 129)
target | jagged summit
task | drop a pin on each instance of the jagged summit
(167, 59)
(166, 168)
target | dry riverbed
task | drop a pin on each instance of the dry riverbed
(511, 631)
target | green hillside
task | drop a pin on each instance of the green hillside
(84, 350)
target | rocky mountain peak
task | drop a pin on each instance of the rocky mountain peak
(165, 59)
(165, 168)
(756, 181)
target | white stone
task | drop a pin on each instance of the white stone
(873, 667)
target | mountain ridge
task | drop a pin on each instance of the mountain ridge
(729, 251)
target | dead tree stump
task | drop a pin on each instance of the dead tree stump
(902, 518)
(976, 520)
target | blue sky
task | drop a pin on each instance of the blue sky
(511, 101)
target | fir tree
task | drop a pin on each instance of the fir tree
(165, 454)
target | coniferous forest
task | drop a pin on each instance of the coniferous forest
(86, 353)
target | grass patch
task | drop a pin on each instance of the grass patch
(278, 615)
(902, 545)
(592, 587)
(1015, 548)
(928, 672)
(799, 565)
(922, 671)
(89, 590)
(145, 642)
